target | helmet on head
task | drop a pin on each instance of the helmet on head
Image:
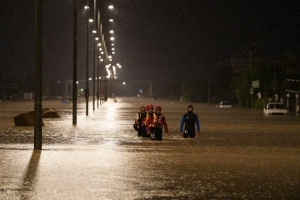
(158, 108)
(150, 106)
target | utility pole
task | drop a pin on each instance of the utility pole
(38, 77)
(94, 70)
(208, 85)
(250, 58)
(250, 61)
(86, 91)
(98, 59)
(75, 66)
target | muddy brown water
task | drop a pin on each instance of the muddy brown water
(241, 154)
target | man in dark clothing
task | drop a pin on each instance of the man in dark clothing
(140, 121)
(189, 120)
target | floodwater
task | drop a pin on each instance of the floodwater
(241, 154)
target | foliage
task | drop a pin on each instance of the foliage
(271, 74)
(260, 103)
(189, 90)
(241, 87)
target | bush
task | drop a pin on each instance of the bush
(260, 103)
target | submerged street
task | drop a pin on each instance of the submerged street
(241, 154)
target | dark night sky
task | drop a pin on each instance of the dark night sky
(155, 39)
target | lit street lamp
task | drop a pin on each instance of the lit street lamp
(86, 92)
(94, 67)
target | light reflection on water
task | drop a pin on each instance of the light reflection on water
(240, 154)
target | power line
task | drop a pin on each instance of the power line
(263, 39)
(246, 47)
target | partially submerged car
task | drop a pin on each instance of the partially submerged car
(225, 104)
(275, 108)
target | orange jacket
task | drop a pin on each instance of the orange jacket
(156, 122)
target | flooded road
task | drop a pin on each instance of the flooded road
(241, 154)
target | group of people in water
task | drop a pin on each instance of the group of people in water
(150, 123)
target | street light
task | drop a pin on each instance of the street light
(98, 63)
(94, 57)
(87, 59)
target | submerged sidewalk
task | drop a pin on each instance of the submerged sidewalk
(102, 158)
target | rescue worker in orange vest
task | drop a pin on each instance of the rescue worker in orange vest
(149, 110)
(155, 124)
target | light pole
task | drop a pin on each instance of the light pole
(86, 91)
(98, 73)
(38, 77)
(208, 85)
(75, 66)
(94, 70)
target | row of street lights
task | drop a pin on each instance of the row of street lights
(103, 57)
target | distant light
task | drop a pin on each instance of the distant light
(91, 20)
(113, 52)
(112, 49)
(109, 57)
(111, 20)
(58, 81)
(112, 38)
(102, 52)
(101, 60)
(90, 78)
(81, 89)
(112, 44)
(99, 44)
(108, 73)
(96, 38)
(100, 49)
(86, 7)
(111, 31)
(110, 7)
(76, 82)
(94, 31)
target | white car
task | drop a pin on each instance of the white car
(275, 108)
(225, 104)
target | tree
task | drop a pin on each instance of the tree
(190, 90)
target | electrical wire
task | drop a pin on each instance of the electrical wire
(266, 38)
